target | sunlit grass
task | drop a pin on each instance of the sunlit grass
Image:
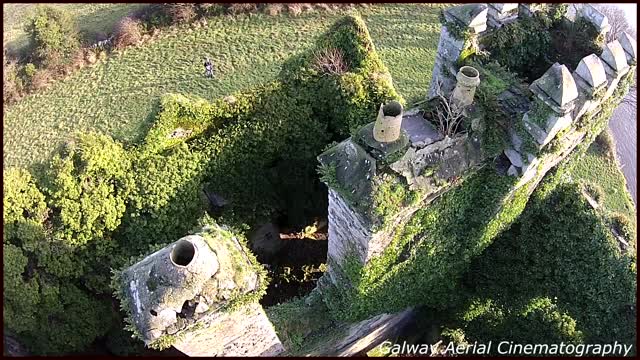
(599, 168)
(118, 96)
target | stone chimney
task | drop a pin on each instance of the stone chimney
(388, 123)
(468, 79)
(188, 294)
(473, 19)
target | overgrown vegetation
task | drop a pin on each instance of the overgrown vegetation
(587, 275)
(531, 45)
(97, 204)
(117, 95)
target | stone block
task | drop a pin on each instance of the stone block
(246, 332)
(557, 88)
(449, 48)
(505, 8)
(615, 57)
(585, 103)
(594, 16)
(591, 70)
(354, 168)
(630, 48)
(516, 140)
(472, 16)
(512, 171)
(501, 14)
(554, 124)
(530, 164)
(539, 134)
(514, 157)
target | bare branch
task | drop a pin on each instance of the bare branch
(448, 113)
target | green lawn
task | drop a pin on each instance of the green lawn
(118, 95)
(598, 168)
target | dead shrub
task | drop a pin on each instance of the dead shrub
(330, 61)
(181, 12)
(77, 59)
(41, 79)
(128, 32)
(241, 8)
(12, 88)
(294, 9)
(273, 9)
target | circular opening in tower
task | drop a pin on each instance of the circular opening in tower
(469, 71)
(183, 253)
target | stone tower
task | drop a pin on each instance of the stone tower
(200, 295)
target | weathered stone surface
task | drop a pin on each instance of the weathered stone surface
(473, 16)
(531, 163)
(504, 8)
(210, 267)
(421, 133)
(591, 70)
(426, 168)
(354, 167)
(615, 57)
(349, 232)
(512, 171)
(573, 12)
(515, 139)
(630, 47)
(501, 14)
(594, 16)
(365, 335)
(586, 103)
(539, 134)
(556, 88)
(514, 102)
(265, 240)
(514, 157)
(555, 124)
(449, 48)
(246, 332)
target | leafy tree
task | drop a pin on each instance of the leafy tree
(53, 35)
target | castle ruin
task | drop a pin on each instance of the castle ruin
(200, 293)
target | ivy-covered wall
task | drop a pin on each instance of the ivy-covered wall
(439, 258)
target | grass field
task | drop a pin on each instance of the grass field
(598, 168)
(118, 95)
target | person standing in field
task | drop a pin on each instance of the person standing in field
(208, 67)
